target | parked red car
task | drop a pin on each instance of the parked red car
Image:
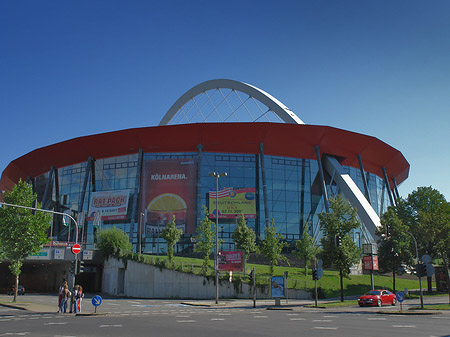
(377, 297)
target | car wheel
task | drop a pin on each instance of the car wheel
(394, 301)
(380, 303)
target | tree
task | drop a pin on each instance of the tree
(244, 237)
(427, 214)
(305, 248)
(339, 250)
(22, 231)
(272, 246)
(171, 234)
(205, 240)
(394, 243)
(112, 241)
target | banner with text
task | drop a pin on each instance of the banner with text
(168, 189)
(233, 202)
(231, 261)
(113, 205)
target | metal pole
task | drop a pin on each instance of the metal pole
(420, 278)
(217, 237)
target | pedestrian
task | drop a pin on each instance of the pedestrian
(73, 302)
(79, 298)
(61, 294)
(66, 295)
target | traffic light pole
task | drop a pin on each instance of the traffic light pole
(53, 212)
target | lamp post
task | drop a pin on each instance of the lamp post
(217, 175)
(417, 262)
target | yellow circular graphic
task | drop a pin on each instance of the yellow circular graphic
(167, 202)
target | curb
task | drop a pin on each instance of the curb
(410, 313)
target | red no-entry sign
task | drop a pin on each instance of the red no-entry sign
(76, 248)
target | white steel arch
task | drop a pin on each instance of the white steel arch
(283, 112)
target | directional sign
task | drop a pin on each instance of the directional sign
(96, 300)
(76, 248)
(400, 296)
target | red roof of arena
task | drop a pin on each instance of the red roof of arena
(279, 139)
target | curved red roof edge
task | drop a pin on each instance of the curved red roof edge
(279, 139)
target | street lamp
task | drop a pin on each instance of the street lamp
(217, 175)
(417, 262)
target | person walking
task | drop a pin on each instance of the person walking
(66, 296)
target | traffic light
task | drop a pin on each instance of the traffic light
(72, 267)
(314, 274)
(251, 277)
(337, 239)
(421, 270)
(80, 267)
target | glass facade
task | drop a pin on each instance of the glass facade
(289, 194)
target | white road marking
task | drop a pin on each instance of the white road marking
(224, 314)
(291, 314)
(324, 328)
(297, 319)
(217, 319)
(110, 326)
(187, 321)
(403, 326)
(376, 319)
(183, 316)
(329, 316)
(260, 317)
(323, 320)
(55, 323)
(15, 333)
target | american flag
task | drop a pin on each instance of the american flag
(224, 192)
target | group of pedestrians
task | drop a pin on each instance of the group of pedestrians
(73, 298)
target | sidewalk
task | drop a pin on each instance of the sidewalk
(6, 301)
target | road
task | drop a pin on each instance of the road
(135, 317)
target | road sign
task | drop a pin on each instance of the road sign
(400, 296)
(429, 269)
(426, 258)
(96, 300)
(76, 248)
(319, 273)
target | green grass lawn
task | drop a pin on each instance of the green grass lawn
(328, 285)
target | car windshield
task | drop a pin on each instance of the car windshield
(373, 292)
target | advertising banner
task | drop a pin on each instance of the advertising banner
(113, 205)
(233, 202)
(277, 286)
(368, 265)
(168, 189)
(231, 261)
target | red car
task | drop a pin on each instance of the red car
(377, 297)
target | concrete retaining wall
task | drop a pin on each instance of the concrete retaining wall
(145, 281)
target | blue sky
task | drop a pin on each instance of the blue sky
(382, 68)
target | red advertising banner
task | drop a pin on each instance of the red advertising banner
(368, 262)
(168, 189)
(231, 261)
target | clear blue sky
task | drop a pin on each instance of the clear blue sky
(382, 68)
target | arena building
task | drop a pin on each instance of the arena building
(277, 168)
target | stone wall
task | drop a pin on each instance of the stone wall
(139, 280)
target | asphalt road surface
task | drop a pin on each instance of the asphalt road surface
(129, 317)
